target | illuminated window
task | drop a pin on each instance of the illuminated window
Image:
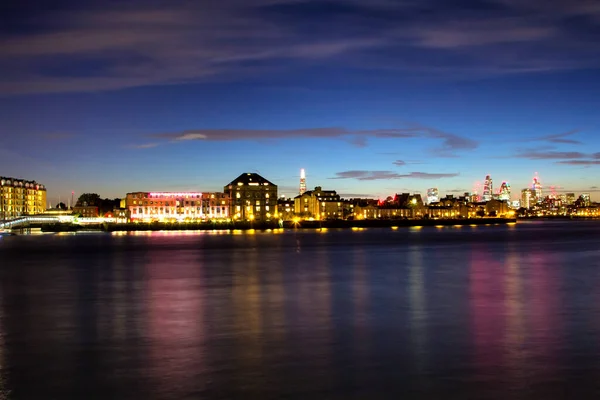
(267, 195)
(257, 202)
(267, 208)
(237, 195)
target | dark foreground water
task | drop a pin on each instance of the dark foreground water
(504, 312)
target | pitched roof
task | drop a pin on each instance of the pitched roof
(248, 177)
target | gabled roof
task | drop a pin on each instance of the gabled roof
(248, 177)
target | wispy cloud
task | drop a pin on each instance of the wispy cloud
(550, 155)
(560, 138)
(249, 134)
(451, 143)
(144, 146)
(138, 43)
(363, 175)
(579, 162)
(399, 163)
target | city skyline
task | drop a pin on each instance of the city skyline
(120, 97)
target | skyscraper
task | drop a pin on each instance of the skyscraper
(433, 195)
(527, 198)
(504, 194)
(488, 189)
(537, 188)
(302, 182)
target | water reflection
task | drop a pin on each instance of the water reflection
(427, 313)
(488, 311)
(174, 321)
(418, 308)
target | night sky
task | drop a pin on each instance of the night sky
(370, 97)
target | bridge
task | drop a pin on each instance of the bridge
(28, 220)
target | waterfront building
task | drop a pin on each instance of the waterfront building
(570, 199)
(285, 209)
(433, 195)
(373, 211)
(252, 198)
(21, 197)
(496, 208)
(86, 211)
(164, 206)
(488, 188)
(319, 204)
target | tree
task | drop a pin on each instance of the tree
(61, 206)
(88, 199)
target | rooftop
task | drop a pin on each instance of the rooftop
(250, 177)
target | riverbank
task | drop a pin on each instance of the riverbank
(332, 224)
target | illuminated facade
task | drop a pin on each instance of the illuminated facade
(488, 189)
(165, 206)
(570, 199)
(504, 194)
(252, 198)
(20, 197)
(319, 204)
(433, 195)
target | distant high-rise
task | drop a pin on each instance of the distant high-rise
(302, 181)
(570, 199)
(504, 194)
(585, 199)
(527, 198)
(433, 195)
(537, 188)
(488, 189)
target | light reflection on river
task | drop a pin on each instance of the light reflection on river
(476, 312)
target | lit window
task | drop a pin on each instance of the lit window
(267, 195)
(237, 195)
(267, 208)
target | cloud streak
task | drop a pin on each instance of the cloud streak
(579, 162)
(560, 138)
(363, 175)
(450, 143)
(251, 134)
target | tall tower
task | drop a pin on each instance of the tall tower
(537, 188)
(488, 188)
(302, 182)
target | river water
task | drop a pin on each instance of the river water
(480, 312)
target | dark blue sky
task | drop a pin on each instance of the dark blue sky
(371, 98)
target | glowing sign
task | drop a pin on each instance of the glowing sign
(174, 194)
